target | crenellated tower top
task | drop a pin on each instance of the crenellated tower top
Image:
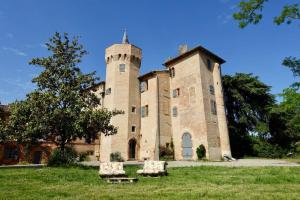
(124, 52)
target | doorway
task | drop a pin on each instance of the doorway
(187, 146)
(132, 149)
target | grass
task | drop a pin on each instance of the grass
(182, 183)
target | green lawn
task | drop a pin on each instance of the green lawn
(182, 183)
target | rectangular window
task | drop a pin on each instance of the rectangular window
(172, 72)
(213, 107)
(176, 92)
(174, 111)
(211, 89)
(122, 67)
(108, 91)
(133, 109)
(133, 129)
(144, 111)
(11, 153)
(143, 86)
(208, 63)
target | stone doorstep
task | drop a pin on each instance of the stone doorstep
(121, 180)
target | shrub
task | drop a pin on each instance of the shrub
(264, 149)
(58, 158)
(201, 152)
(116, 157)
(83, 156)
(166, 153)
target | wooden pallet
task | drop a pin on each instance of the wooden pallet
(121, 180)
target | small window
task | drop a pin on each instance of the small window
(172, 72)
(174, 111)
(144, 111)
(133, 109)
(108, 91)
(122, 67)
(133, 129)
(11, 153)
(213, 107)
(144, 86)
(208, 62)
(211, 89)
(176, 92)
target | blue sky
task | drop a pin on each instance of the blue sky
(156, 26)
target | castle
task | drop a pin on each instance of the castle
(181, 107)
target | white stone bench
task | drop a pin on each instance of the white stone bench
(153, 168)
(111, 169)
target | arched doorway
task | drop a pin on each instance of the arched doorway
(187, 146)
(132, 149)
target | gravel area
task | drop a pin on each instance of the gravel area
(237, 163)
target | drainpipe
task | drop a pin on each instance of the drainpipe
(158, 114)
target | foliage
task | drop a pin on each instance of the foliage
(285, 119)
(262, 148)
(166, 152)
(247, 102)
(294, 65)
(251, 13)
(201, 152)
(62, 108)
(284, 122)
(116, 157)
(62, 158)
(83, 157)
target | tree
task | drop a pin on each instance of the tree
(247, 102)
(284, 122)
(251, 13)
(62, 108)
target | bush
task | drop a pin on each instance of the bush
(201, 152)
(116, 157)
(58, 158)
(166, 153)
(83, 157)
(264, 149)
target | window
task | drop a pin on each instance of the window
(174, 111)
(176, 92)
(144, 111)
(208, 63)
(213, 107)
(11, 153)
(133, 129)
(108, 91)
(211, 89)
(122, 67)
(172, 72)
(144, 86)
(133, 109)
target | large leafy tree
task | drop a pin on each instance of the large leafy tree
(248, 102)
(285, 117)
(62, 108)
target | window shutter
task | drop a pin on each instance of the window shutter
(174, 111)
(122, 67)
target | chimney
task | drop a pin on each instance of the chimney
(182, 49)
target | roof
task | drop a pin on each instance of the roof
(152, 73)
(95, 85)
(198, 48)
(4, 108)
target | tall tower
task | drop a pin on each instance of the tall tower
(123, 63)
